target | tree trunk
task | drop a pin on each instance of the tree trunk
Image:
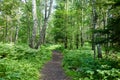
(82, 42)
(107, 35)
(81, 28)
(43, 30)
(77, 40)
(94, 22)
(16, 34)
(6, 32)
(35, 24)
(65, 43)
(42, 35)
(71, 45)
(99, 51)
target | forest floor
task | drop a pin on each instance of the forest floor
(53, 69)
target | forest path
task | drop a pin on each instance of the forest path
(53, 69)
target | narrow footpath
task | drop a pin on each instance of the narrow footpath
(53, 69)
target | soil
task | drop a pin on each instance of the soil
(53, 69)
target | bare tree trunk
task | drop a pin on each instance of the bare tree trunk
(35, 24)
(11, 34)
(81, 28)
(43, 30)
(16, 34)
(107, 35)
(6, 32)
(99, 51)
(42, 35)
(94, 15)
(105, 21)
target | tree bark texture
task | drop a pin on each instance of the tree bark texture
(43, 30)
(35, 24)
(94, 22)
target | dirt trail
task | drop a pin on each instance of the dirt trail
(53, 69)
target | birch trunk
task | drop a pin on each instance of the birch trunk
(16, 34)
(35, 24)
(43, 30)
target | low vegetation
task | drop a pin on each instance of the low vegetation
(80, 65)
(30, 24)
(19, 62)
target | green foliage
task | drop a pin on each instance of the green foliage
(109, 34)
(5, 49)
(22, 62)
(17, 70)
(57, 47)
(80, 65)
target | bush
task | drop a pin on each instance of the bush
(5, 50)
(22, 62)
(80, 65)
(18, 70)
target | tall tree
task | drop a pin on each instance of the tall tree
(47, 12)
(35, 24)
(94, 22)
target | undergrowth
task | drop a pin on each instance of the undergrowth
(19, 62)
(80, 65)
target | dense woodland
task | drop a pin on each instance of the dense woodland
(87, 32)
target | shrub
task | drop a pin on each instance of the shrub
(80, 65)
(22, 62)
